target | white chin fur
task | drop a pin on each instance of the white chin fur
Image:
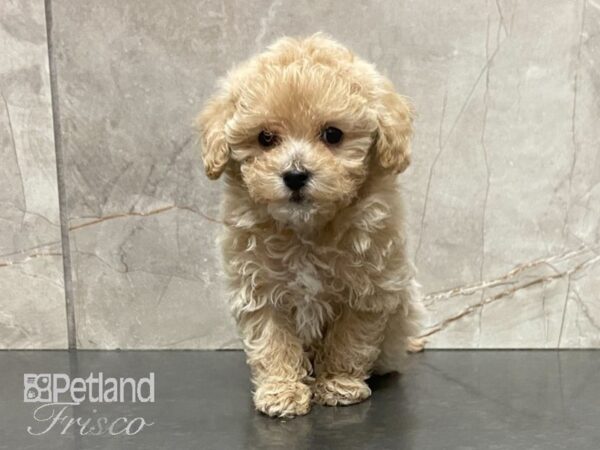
(305, 215)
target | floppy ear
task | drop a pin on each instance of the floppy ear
(394, 130)
(211, 124)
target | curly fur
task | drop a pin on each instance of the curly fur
(322, 290)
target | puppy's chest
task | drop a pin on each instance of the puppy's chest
(312, 273)
(307, 273)
(312, 280)
(311, 294)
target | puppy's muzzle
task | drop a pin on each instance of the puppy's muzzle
(295, 180)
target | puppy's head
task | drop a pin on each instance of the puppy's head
(303, 126)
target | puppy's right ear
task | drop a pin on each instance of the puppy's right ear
(211, 123)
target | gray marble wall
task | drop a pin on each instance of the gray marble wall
(503, 196)
(32, 296)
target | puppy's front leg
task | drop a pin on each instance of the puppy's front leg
(277, 361)
(347, 356)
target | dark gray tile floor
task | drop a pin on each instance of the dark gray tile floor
(446, 400)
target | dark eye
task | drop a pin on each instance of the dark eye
(332, 135)
(267, 139)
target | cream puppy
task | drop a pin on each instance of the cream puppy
(310, 139)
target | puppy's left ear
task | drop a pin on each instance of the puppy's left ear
(394, 129)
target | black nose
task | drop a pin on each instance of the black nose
(295, 180)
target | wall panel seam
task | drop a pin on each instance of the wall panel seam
(62, 196)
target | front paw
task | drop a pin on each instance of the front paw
(282, 398)
(340, 390)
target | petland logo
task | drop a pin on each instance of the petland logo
(59, 392)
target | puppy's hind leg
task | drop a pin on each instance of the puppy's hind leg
(401, 333)
(277, 361)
